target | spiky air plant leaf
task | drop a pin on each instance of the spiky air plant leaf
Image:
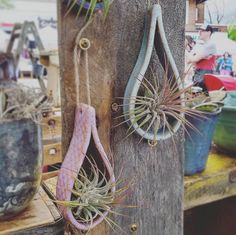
(90, 5)
(93, 194)
(18, 101)
(158, 107)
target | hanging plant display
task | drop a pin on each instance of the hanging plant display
(154, 109)
(74, 176)
(86, 182)
(90, 6)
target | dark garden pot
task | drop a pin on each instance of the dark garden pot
(198, 143)
(20, 165)
(225, 133)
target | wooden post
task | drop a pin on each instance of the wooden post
(115, 44)
(191, 16)
(200, 13)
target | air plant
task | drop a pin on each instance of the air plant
(18, 101)
(90, 5)
(93, 195)
(158, 108)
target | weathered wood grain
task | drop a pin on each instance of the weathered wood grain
(40, 217)
(115, 43)
(216, 218)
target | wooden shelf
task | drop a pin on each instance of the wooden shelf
(218, 181)
(40, 217)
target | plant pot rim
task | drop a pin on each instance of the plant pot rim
(87, 5)
(210, 113)
(4, 121)
(229, 107)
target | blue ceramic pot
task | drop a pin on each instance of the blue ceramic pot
(198, 144)
(87, 5)
(20, 165)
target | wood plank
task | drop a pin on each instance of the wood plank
(51, 127)
(216, 218)
(52, 154)
(49, 175)
(37, 214)
(115, 44)
(218, 181)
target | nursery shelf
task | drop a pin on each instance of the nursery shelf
(218, 181)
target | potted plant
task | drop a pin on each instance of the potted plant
(224, 136)
(198, 141)
(20, 141)
(89, 5)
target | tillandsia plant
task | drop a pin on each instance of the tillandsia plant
(18, 101)
(206, 102)
(158, 107)
(90, 5)
(93, 194)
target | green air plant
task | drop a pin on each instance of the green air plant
(159, 105)
(90, 5)
(93, 194)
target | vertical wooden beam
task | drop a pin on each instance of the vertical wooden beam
(191, 16)
(115, 44)
(200, 13)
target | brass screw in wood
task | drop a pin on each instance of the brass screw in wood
(133, 227)
(152, 143)
(84, 43)
(115, 107)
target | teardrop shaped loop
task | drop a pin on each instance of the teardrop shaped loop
(154, 37)
(84, 129)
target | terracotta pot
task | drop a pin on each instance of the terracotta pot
(224, 136)
(20, 165)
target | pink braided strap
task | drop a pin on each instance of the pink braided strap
(84, 129)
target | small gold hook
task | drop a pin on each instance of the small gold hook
(133, 227)
(84, 43)
(152, 143)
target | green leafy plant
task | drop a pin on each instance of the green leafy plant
(232, 32)
(92, 6)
